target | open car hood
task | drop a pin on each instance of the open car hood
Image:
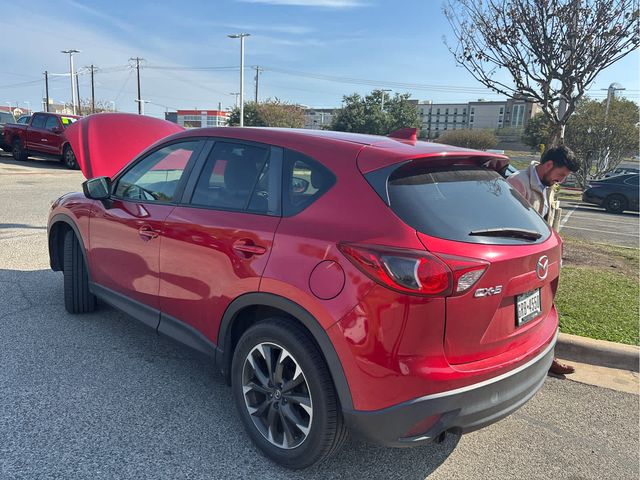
(105, 142)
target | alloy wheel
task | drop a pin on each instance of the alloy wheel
(277, 395)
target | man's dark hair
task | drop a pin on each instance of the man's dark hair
(561, 157)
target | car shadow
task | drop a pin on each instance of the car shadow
(33, 162)
(582, 207)
(123, 390)
(21, 225)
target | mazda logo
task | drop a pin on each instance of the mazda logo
(542, 267)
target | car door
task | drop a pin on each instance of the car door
(125, 231)
(216, 243)
(631, 184)
(51, 138)
(35, 131)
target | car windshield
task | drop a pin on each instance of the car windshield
(469, 204)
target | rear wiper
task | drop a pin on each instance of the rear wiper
(508, 232)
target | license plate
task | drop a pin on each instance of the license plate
(527, 307)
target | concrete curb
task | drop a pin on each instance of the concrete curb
(598, 352)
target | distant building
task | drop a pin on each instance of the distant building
(316, 118)
(503, 116)
(171, 116)
(199, 118)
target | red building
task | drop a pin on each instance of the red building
(202, 118)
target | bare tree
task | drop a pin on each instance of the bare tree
(552, 49)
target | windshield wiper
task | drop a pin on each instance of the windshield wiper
(508, 232)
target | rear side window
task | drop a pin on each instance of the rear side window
(38, 121)
(304, 181)
(468, 204)
(238, 177)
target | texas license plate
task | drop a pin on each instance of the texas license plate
(528, 307)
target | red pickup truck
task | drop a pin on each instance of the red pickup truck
(42, 136)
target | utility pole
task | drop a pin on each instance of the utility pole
(70, 52)
(258, 71)
(383, 92)
(93, 92)
(46, 90)
(237, 95)
(139, 100)
(241, 36)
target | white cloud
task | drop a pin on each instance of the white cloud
(312, 3)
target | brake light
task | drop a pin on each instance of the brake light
(415, 272)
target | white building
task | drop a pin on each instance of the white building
(316, 118)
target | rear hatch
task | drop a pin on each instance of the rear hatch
(463, 209)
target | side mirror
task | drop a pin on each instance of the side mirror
(98, 188)
(299, 185)
(56, 130)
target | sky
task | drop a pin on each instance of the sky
(312, 52)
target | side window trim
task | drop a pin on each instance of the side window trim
(197, 152)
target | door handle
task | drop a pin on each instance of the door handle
(147, 233)
(248, 248)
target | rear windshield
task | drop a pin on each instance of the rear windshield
(6, 118)
(468, 204)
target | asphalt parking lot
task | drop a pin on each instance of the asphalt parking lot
(592, 223)
(100, 396)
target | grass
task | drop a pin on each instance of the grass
(599, 291)
(597, 304)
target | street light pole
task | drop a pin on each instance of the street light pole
(70, 52)
(241, 36)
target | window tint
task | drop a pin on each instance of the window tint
(51, 123)
(6, 117)
(451, 203)
(237, 177)
(155, 178)
(38, 121)
(305, 180)
(23, 119)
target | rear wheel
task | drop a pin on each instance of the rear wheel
(615, 204)
(18, 151)
(77, 297)
(284, 394)
(69, 158)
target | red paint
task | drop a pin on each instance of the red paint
(393, 345)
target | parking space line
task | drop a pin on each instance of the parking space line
(566, 218)
(605, 231)
(617, 222)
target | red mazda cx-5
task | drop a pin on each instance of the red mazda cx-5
(392, 287)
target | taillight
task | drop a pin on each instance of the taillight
(415, 272)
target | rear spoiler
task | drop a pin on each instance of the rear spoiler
(104, 143)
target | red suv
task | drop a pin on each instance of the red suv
(395, 288)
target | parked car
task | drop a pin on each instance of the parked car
(43, 135)
(615, 194)
(621, 171)
(23, 119)
(394, 288)
(5, 117)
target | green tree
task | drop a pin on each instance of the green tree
(476, 139)
(601, 139)
(551, 50)
(270, 113)
(367, 114)
(537, 132)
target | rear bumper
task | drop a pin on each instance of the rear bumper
(461, 410)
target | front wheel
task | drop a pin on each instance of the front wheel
(77, 297)
(615, 204)
(284, 394)
(69, 158)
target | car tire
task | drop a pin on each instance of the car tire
(615, 204)
(18, 151)
(77, 296)
(69, 158)
(295, 427)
